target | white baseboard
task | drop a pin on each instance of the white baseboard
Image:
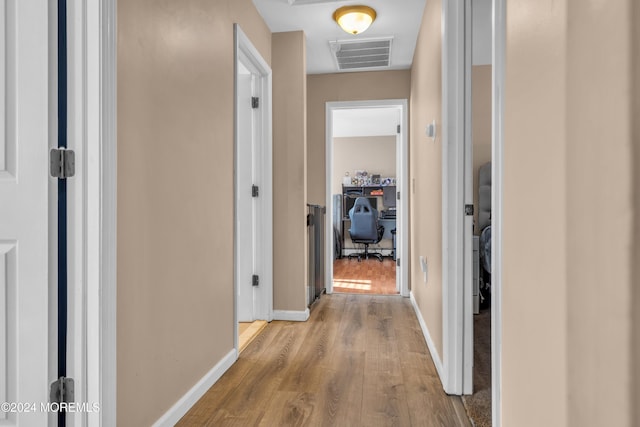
(427, 336)
(291, 315)
(177, 411)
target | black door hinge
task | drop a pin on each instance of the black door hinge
(468, 210)
(255, 280)
(255, 102)
(255, 191)
(397, 262)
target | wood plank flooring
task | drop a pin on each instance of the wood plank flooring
(365, 277)
(247, 331)
(360, 360)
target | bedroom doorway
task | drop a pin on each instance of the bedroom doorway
(366, 162)
(253, 232)
(478, 398)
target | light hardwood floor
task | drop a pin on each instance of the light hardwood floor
(359, 360)
(369, 276)
(248, 331)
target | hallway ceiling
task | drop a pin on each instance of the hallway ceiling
(365, 122)
(399, 19)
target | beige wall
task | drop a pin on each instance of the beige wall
(175, 169)
(600, 213)
(567, 288)
(481, 111)
(323, 88)
(375, 154)
(289, 171)
(534, 356)
(426, 171)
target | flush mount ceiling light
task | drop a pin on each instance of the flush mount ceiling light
(354, 19)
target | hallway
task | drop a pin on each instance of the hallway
(358, 361)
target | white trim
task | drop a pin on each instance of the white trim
(291, 315)
(427, 336)
(108, 250)
(402, 242)
(467, 236)
(177, 411)
(244, 50)
(103, 39)
(83, 213)
(497, 161)
(453, 75)
(92, 52)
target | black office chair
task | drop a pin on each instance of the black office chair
(364, 227)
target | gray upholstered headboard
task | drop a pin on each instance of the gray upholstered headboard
(484, 196)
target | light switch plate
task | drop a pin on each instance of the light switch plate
(424, 267)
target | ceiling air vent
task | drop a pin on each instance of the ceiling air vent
(356, 55)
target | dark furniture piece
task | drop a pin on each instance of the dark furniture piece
(315, 225)
(364, 227)
(345, 201)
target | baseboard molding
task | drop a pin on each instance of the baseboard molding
(177, 411)
(291, 315)
(427, 336)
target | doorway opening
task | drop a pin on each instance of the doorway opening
(471, 334)
(253, 191)
(366, 166)
(467, 125)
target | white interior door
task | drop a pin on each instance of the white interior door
(246, 203)
(467, 382)
(254, 159)
(399, 225)
(23, 209)
(402, 201)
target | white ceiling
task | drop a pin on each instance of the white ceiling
(399, 19)
(365, 122)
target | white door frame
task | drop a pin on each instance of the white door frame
(497, 162)
(245, 51)
(92, 270)
(467, 375)
(402, 186)
(453, 122)
(456, 280)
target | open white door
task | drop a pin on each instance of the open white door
(24, 210)
(467, 381)
(253, 185)
(402, 202)
(245, 203)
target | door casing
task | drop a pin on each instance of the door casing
(92, 206)
(497, 161)
(249, 55)
(402, 186)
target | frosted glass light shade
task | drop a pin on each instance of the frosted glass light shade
(354, 19)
